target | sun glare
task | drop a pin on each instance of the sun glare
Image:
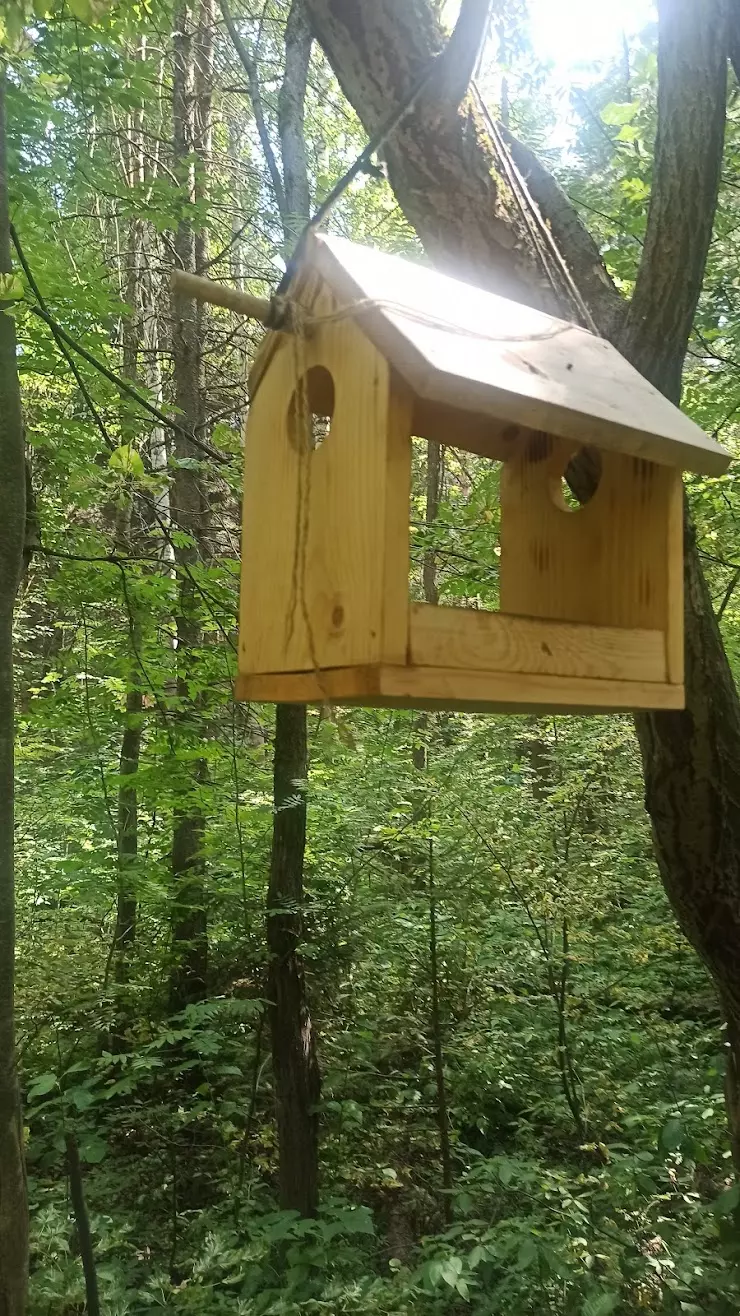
(577, 33)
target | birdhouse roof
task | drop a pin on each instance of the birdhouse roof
(465, 347)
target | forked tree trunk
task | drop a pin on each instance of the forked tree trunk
(13, 1205)
(447, 176)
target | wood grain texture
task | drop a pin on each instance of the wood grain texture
(675, 619)
(465, 347)
(457, 428)
(325, 532)
(220, 294)
(606, 563)
(396, 547)
(447, 688)
(492, 641)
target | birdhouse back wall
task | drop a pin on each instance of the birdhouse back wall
(615, 561)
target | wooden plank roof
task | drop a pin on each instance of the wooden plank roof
(465, 347)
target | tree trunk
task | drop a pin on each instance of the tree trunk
(440, 164)
(191, 123)
(421, 754)
(446, 174)
(294, 1063)
(443, 1120)
(128, 836)
(291, 102)
(294, 1060)
(82, 1221)
(127, 826)
(692, 759)
(13, 1204)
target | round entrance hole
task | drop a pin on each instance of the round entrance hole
(311, 410)
(580, 480)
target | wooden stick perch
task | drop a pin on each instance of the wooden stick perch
(220, 294)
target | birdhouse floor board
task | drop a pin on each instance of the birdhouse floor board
(448, 688)
(494, 641)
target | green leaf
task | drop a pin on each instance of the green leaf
(92, 1149)
(506, 1172)
(527, 1253)
(88, 11)
(671, 1136)
(11, 288)
(600, 1305)
(727, 1202)
(81, 1098)
(451, 1271)
(618, 114)
(126, 461)
(40, 1086)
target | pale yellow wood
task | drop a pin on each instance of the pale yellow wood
(339, 685)
(484, 692)
(675, 586)
(465, 347)
(497, 642)
(396, 542)
(322, 604)
(606, 563)
(304, 291)
(458, 428)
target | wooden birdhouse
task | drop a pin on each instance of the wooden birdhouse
(591, 598)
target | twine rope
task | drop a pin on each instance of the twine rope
(293, 313)
(303, 434)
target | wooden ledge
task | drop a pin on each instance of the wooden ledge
(476, 641)
(463, 691)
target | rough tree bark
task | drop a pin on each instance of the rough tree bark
(440, 162)
(127, 823)
(294, 1062)
(447, 177)
(192, 81)
(294, 1059)
(13, 1204)
(295, 1065)
(127, 835)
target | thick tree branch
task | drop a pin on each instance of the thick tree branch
(291, 100)
(571, 236)
(462, 52)
(440, 165)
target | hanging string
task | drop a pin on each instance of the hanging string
(539, 231)
(367, 305)
(301, 419)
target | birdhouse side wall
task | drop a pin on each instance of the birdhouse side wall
(325, 530)
(616, 561)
